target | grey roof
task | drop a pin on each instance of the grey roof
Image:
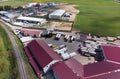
(30, 19)
(58, 12)
(3, 12)
(11, 15)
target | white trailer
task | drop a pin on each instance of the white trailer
(63, 50)
(57, 37)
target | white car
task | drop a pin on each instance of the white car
(118, 37)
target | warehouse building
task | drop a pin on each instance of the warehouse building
(58, 14)
(62, 71)
(8, 17)
(42, 54)
(31, 20)
(2, 13)
(31, 32)
(38, 70)
(74, 70)
(71, 70)
(111, 53)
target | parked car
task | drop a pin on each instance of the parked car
(111, 39)
(52, 46)
(118, 37)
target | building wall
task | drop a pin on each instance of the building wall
(32, 35)
(55, 17)
(46, 68)
(55, 75)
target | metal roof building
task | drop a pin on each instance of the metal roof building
(3, 12)
(31, 20)
(62, 71)
(33, 63)
(31, 32)
(115, 75)
(43, 54)
(57, 14)
(112, 53)
(70, 69)
(8, 16)
(100, 70)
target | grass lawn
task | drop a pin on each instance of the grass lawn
(8, 65)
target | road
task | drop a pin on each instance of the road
(21, 64)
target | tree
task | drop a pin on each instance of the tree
(19, 8)
(1, 8)
(7, 7)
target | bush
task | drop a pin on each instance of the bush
(6, 7)
(1, 8)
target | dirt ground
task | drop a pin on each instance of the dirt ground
(62, 25)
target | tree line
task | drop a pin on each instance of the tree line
(7, 7)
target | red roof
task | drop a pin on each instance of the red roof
(42, 52)
(112, 52)
(27, 52)
(114, 75)
(75, 66)
(99, 68)
(32, 62)
(36, 68)
(29, 31)
(64, 72)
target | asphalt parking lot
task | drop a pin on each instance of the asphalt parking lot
(72, 46)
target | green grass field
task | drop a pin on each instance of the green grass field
(8, 65)
(96, 16)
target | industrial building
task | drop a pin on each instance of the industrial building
(111, 53)
(31, 32)
(74, 70)
(42, 54)
(38, 70)
(2, 13)
(8, 16)
(31, 20)
(57, 14)
(70, 69)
